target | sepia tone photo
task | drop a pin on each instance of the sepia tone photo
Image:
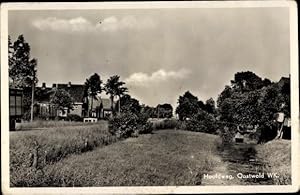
(148, 96)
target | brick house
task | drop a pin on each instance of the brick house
(101, 106)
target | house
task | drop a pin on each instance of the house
(239, 138)
(82, 106)
(15, 107)
(77, 93)
(43, 108)
(46, 109)
(100, 107)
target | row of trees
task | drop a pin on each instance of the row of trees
(252, 100)
(189, 105)
(249, 100)
(23, 74)
(113, 87)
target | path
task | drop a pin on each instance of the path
(239, 161)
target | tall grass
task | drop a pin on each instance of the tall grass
(51, 123)
(277, 155)
(31, 151)
(168, 123)
(164, 158)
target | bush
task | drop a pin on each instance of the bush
(168, 123)
(147, 128)
(74, 117)
(202, 122)
(227, 133)
(129, 124)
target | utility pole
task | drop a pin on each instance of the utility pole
(32, 95)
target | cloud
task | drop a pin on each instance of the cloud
(143, 79)
(80, 24)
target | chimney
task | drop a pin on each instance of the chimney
(54, 85)
(69, 84)
(44, 86)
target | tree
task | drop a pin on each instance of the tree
(129, 104)
(22, 69)
(226, 93)
(92, 87)
(149, 111)
(210, 106)
(114, 87)
(256, 104)
(61, 99)
(164, 110)
(187, 105)
(246, 81)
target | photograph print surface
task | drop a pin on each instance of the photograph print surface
(158, 96)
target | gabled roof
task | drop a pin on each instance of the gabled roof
(43, 94)
(76, 91)
(106, 103)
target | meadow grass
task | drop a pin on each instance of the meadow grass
(277, 155)
(166, 157)
(167, 123)
(33, 150)
(50, 124)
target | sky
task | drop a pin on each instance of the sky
(159, 53)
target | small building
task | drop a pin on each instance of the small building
(239, 138)
(46, 110)
(101, 107)
(15, 107)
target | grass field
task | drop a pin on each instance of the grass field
(74, 156)
(277, 155)
(168, 157)
(30, 150)
(49, 124)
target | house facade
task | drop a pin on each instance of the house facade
(82, 106)
(100, 107)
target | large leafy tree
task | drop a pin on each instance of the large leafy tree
(92, 87)
(164, 110)
(114, 87)
(129, 104)
(22, 71)
(149, 111)
(246, 81)
(22, 68)
(210, 106)
(187, 105)
(61, 99)
(255, 102)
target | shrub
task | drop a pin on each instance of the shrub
(147, 128)
(227, 133)
(181, 125)
(129, 124)
(202, 122)
(123, 125)
(168, 123)
(74, 117)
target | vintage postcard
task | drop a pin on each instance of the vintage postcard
(149, 97)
